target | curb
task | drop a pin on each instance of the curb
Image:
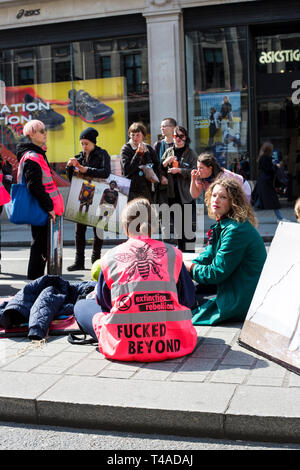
(167, 420)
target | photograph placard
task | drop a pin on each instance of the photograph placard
(98, 202)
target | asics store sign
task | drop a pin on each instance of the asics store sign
(7, 112)
(271, 57)
(23, 12)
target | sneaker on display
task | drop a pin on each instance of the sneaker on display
(11, 135)
(40, 110)
(87, 107)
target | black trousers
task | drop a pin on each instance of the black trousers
(80, 243)
(204, 292)
(184, 226)
(38, 252)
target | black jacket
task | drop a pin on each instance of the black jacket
(98, 164)
(33, 175)
(264, 194)
(130, 162)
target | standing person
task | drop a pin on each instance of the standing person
(226, 109)
(208, 169)
(167, 130)
(134, 154)
(92, 162)
(230, 266)
(176, 165)
(214, 124)
(108, 203)
(144, 293)
(37, 173)
(264, 194)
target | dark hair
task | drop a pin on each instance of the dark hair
(171, 121)
(266, 149)
(137, 127)
(184, 131)
(209, 160)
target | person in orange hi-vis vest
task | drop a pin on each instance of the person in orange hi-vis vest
(37, 173)
(141, 309)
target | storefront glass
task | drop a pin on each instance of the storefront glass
(278, 104)
(216, 64)
(70, 86)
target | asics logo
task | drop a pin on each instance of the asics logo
(23, 12)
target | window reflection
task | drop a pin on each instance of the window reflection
(70, 86)
(217, 93)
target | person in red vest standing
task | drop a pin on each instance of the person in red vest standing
(40, 182)
(141, 310)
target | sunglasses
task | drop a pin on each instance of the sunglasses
(42, 131)
(179, 136)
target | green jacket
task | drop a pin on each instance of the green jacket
(233, 261)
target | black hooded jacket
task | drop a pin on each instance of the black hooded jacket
(33, 175)
(97, 163)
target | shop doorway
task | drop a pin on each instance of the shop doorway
(278, 104)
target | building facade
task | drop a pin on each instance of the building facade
(228, 71)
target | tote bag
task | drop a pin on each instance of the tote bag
(25, 208)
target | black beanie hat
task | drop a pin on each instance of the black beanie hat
(90, 134)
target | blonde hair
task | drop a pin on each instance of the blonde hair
(297, 209)
(139, 218)
(240, 210)
(31, 127)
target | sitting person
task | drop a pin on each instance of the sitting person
(143, 296)
(232, 262)
(208, 169)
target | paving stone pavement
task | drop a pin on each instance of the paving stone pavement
(221, 390)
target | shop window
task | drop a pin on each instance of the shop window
(69, 86)
(103, 66)
(61, 63)
(218, 93)
(106, 66)
(278, 109)
(214, 67)
(133, 72)
(61, 71)
(26, 75)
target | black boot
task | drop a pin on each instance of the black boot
(77, 266)
(97, 245)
